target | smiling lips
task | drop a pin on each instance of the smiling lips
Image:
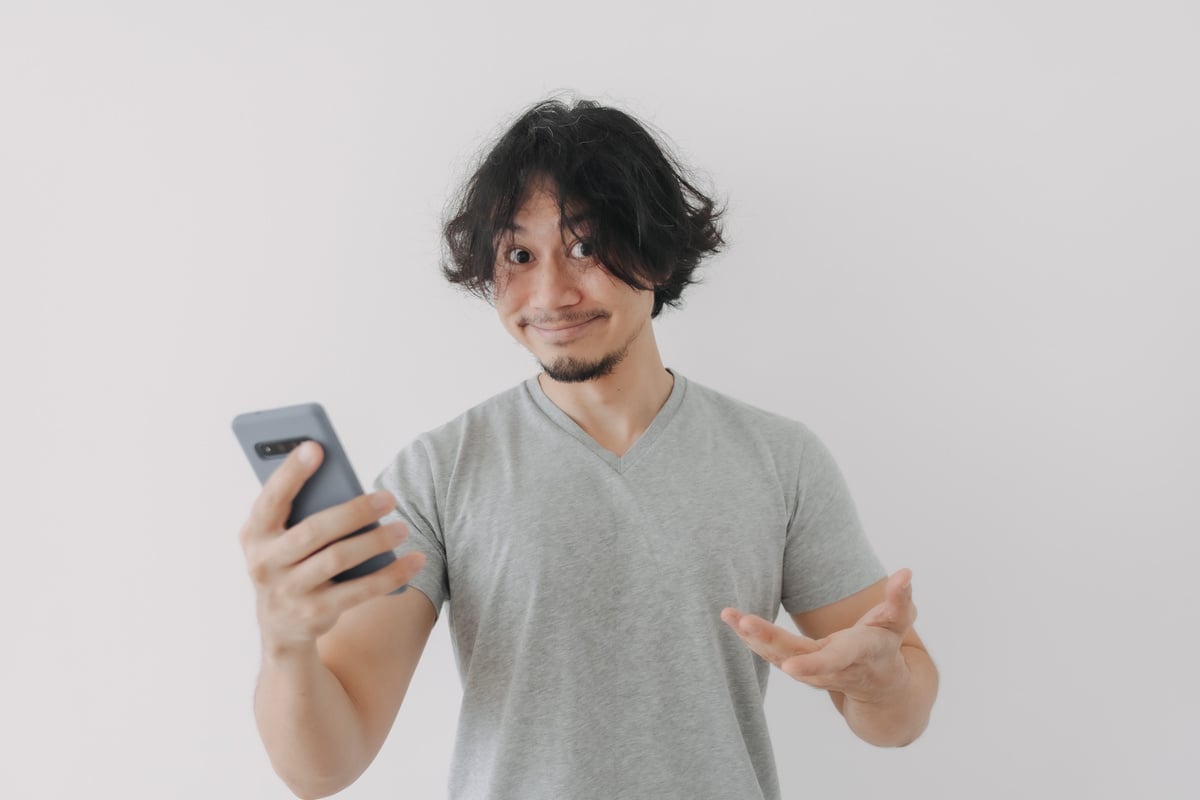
(561, 334)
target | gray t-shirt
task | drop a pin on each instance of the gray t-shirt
(585, 590)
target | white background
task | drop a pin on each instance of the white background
(963, 249)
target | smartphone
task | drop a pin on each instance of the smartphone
(268, 436)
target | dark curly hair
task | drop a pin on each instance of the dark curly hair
(646, 222)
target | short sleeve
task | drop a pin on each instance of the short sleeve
(827, 556)
(409, 477)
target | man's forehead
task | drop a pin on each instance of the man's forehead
(541, 203)
(574, 221)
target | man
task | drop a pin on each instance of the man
(611, 539)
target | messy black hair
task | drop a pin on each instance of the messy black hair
(646, 222)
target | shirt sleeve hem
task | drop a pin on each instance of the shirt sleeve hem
(831, 593)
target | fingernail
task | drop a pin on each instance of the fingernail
(381, 500)
(307, 453)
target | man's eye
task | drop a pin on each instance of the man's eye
(519, 255)
(582, 249)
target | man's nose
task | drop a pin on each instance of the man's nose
(555, 284)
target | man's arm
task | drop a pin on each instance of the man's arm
(324, 712)
(864, 651)
(337, 658)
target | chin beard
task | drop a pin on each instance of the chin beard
(572, 370)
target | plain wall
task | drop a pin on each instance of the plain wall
(962, 249)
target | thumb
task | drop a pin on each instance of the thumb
(897, 612)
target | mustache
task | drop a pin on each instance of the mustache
(560, 320)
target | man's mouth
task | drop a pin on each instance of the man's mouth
(565, 327)
(559, 324)
(563, 330)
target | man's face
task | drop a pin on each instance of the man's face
(559, 302)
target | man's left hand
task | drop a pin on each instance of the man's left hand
(864, 661)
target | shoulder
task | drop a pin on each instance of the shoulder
(790, 444)
(476, 433)
(730, 412)
(433, 460)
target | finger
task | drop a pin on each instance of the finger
(771, 642)
(347, 594)
(327, 526)
(900, 584)
(897, 612)
(274, 503)
(322, 565)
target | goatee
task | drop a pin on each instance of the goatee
(572, 370)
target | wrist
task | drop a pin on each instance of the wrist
(280, 651)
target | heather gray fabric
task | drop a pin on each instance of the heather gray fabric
(584, 590)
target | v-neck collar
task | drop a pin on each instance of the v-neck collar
(643, 443)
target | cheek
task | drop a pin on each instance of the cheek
(641, 303)
(504, 292)
(507, 302)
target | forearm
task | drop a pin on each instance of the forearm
(308, 723)
(902, 717)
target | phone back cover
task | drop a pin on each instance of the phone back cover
(334, 481)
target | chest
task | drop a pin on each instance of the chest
(649, 539)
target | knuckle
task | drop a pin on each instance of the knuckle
(284, 483)
(257, 573)
(308, 534)
(336, 523)
(272, 492)
(256, 568)
(322, 564)
(272, 502)
(329, 562)
(305, 533)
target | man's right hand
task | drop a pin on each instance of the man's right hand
(292, 568)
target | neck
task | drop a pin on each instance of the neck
(618, 408)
